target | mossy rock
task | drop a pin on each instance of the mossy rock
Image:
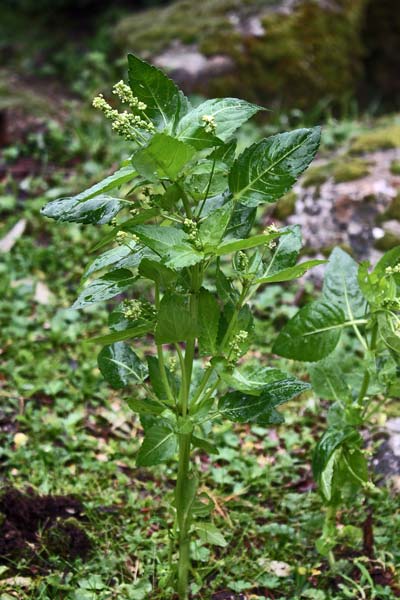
(350, 169)
(383, 138)
(395, 167)
(285, 207)
(296, 58)
(391, 237)
(393, 211)
(341, 170)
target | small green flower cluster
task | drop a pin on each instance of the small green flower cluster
(393, 270)
(123, 236)
(241, 261)
(191, 228)
(128, 125)
(235, 346)
(138, 309)
(209, 123)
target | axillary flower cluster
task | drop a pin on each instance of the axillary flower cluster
(130, 125)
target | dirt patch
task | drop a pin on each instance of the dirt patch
(37, 528)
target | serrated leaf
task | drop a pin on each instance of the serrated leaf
(159, 445)
(145, 406)
(328, 380)
(111, 182)
(241, 222)
(250, 379)
(156, 380)
(208, 315)
(388, 332)
(209, 534)
(341, 285)
(229, 114)
(175, 321)
(150, 85)
(213, 227)
(120, 366)
(312, 333)
(286, 252)
(163, 158)
(204, 445)
(291, 272)
(157, 272)
(245, 408)
(98, 210)
(330, 441)
(124, 334)
(206, 177)
(170, 243)
(229, 246)
(105, 287)
(225, 153)
(268, 169)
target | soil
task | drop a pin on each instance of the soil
(37, 527)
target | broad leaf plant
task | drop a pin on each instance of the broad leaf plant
(181, 253)
(351, 337)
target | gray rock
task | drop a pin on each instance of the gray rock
(387, 460)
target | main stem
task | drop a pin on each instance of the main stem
(182, 491)
(183, 516)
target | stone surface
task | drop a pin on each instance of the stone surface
(387, 460)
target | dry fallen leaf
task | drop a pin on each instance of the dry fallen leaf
(8, 241)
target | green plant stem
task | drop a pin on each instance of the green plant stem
(366, 378)
(160, 357)
(183, 517)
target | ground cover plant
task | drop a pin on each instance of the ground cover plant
(182, 223)
(358, 377)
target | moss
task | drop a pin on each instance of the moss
(349, 170)
(395, 167)
(312, 52)
(387, 242)
(285, 207)
(383, 138)
(317, 175)
(393, 211)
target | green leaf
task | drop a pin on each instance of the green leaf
(291, 272)
(341, 285)
(125, 334)
(250, 379)
(170, 243)
(209, 534)
(229, 114)
(213, 227)
(204, 445)
(244, 408)
(163, 158)
(110, 257)
(312, 333)
(225, 289)
(391, 258)
(388, 332)
(98, 210)
(156, 380)
(105, 287)
(120, 366)
(159, 445)
(163, 99)
(157, 272)
(229, 246)
(287, 251)
(328, 380)
(241, 222)
(225, 153)
(109, 183)
(330, 441)
(268, 169)
(145, 406)
(199, 182)
(175, 321)
(208, 315)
